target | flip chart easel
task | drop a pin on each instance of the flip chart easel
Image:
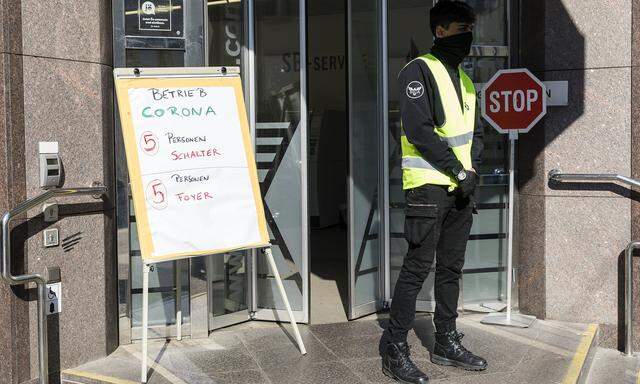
(145, 311)
(192, 172)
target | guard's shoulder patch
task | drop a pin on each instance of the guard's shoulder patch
(415, 90)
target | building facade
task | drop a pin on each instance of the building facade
(319, 83)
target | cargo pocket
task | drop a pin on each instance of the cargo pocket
(419, 222)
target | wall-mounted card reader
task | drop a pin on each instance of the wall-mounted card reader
(50, 165)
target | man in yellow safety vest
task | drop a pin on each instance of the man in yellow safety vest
(441, 149)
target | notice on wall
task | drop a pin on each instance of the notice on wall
(154, 18)
(154, 15)
(191, 167)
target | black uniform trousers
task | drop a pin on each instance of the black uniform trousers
(437, 225)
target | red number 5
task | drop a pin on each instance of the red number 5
(156, 194)
(149, 143)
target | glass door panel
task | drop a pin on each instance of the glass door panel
(228, 289)
(408, 37)
(484, 275)
(228, 278)
(168, 281)
(365, 194)
(280, 142)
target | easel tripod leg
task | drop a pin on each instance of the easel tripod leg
(145, 320)
(294, 325)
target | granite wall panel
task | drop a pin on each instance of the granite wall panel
(592, 134)
(70, 102)
(5, 291)
(56, 85)
(635, 155)
(4, 110)
(584, 240)
(581, 228)
(3, 25)
(635, 32)
(13, 192)
(65, 102)
(12, 26)
(71, 30)
(531, 246)
(78, 334)
(576, 37)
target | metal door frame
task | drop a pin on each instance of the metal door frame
(193, 48)
(512, 29)
(269, 314)
(246, 70)
(356, 311)
(195, 54)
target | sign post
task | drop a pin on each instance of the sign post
(513, 101)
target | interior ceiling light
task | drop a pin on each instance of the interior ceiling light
(160, 9)
(222, 2)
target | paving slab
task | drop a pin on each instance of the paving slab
(347, 352)
(613, 367)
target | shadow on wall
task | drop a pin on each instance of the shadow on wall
(540, 21)
(552, 46)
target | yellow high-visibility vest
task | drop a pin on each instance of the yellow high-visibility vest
(457, 130)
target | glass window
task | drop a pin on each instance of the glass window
(227, 274)
(226, 33)
(154, 58)
(228, 283)
(490, 28)
(162, 280)
(279, 146)
(364, 150)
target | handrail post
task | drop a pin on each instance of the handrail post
(628, 297)
(43, 347)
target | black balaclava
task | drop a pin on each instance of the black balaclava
(453, 49)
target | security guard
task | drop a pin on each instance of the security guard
(441, 148)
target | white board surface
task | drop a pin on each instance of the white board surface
(191, 166)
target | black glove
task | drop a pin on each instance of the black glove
(468, 186)
(474, 204)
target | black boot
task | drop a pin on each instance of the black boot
(397, 364)
(448, 350)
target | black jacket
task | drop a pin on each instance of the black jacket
(421, 111)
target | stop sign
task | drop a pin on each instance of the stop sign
(514, 100)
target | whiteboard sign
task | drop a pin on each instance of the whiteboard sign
(192, 170)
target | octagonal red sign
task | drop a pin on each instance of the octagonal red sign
(514, 100)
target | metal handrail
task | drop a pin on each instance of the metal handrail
(37, 278)
(556, 175)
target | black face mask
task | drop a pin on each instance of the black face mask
(453, 49)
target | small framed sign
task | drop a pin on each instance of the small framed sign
(154, 18)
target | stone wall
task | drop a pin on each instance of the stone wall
(572, 234)
(56, 85)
